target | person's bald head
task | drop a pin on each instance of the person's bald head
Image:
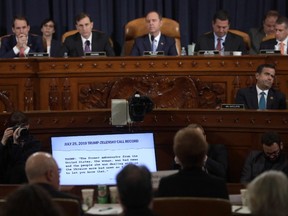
(42, 168)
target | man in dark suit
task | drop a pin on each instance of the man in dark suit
(268, 28)
(190, 148)
(42, 169)
(280, 42)
(251, 96)
(85, 40)
(220, 39)
(21, 42)
(154, 41)
(271, 157)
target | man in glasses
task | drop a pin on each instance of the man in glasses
(270, 158)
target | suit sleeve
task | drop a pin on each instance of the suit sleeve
(5, 50)
(246, 175)
(240, 98)
(282, 102)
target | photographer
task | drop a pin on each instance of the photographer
(17, 144)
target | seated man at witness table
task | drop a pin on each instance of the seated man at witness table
(85, 40)
(267, 29)
(190, 148)
(271, 157)
(220, 38)
(262, 95)
(267, 194)
(155, 40)
(215, 162)
(42, 169)
(21, 42)
(281, 37)
(51, 46)
(135, 190)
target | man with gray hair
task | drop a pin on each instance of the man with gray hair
(42, 169)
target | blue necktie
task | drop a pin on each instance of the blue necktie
(262, 101)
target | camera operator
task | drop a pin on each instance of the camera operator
(17, 144)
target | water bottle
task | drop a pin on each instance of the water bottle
(183, 51)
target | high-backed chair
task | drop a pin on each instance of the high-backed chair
(71, 32)
(191, 206)
(245, 37)
(70, 207)
(268, 37)
(137, 28)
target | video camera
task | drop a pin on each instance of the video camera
(23, 132)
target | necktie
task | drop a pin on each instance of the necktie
(153, 46)
(282, 48)
(22, 52)
(262, 101)
(218, 46)
(87, 46)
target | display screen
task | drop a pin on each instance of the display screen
(96, 159)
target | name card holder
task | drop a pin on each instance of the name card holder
(233, 106)
(38, 54)
(208, 52)
(151, 53)
(95, 54)
(270, 51)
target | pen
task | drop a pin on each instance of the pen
(238, 209)
(105, 209)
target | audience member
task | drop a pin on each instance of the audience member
(21, 42)
(42, 169)
(267, 194)
(220, 38)
(155, 40)
(281, 37)
(190, 148)
(85, 40)
(135, 190)
(30, 200)
(271, 157)
(50, 45)
(268, 28)
(17, 144)
(215, 162)
(262, 95)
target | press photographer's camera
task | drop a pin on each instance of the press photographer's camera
(23, 132)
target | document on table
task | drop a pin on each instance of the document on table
(240, 209)
(105, 209)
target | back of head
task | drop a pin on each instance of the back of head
(134, 186)
(30, 200)
(268, 194)
(42, 168)
(271, 137)
(221, 15)
(190, 147)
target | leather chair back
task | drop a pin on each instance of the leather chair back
(137, 28)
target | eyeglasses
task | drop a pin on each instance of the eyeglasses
(50, 26)
(273, 154)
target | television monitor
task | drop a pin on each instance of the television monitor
(96, 159)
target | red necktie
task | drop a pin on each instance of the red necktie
(22, 52)
(282, 48)
(218, 46)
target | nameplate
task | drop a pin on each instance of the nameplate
(95, 54)
(232, 106)
(268, 51)
(151, 53)
(208, 52)
(38, 54)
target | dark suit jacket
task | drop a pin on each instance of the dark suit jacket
(55, 47)
(255, 165)
(166, 44)
(74, 48)
(192, 183)
(256, 35)
(269, 44)
(248, 97)
(7, 44)
(232, 42)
